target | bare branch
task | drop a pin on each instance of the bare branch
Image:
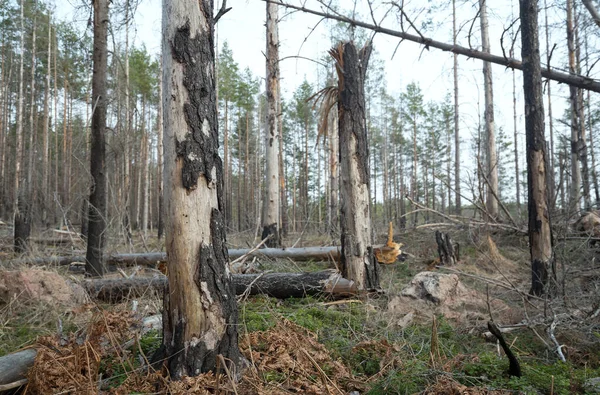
(224, 9)
(569, 79)
(593, 12)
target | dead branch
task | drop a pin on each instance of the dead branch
(576, 80)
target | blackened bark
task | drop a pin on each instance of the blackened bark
(446, 251)
(358, 261)
(200, 312)
(277, 285)
(97, 206)
(540, 231)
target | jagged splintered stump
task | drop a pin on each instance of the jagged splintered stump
(358, 260)
(447, 251)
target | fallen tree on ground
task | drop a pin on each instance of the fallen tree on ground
(153, 258)
(278, 285)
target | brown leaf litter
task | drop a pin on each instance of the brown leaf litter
(286, 359)
(72, 365)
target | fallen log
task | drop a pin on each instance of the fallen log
(278, 285)
(13, 368)
(153, 258)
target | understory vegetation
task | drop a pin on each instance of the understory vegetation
(320, 344)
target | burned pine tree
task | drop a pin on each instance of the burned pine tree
(97, 206)
(200, 312)
(271, 215)
(358, 260)
(540, 231)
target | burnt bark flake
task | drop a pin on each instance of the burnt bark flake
(200, 147)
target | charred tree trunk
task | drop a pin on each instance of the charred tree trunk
(21, 223)
(200, 312)
(540, 231)
(575, 191)
(358, 260)
(446, 250)
(270, 218)
(161, 222)
(97, 206)
(277, 285)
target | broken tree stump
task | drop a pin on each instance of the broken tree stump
(278, 285)
(447, 251)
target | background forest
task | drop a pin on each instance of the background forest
(417, 147)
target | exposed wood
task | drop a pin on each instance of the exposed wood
(491, 157)
(388, 253)
(540, 230)
(565, 78)
(277, 285)
(457, 195)
(200, 320)
(446, 249)
(271, 216)
(357, 260)
(13, 367)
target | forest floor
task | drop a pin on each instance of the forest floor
(383, 343)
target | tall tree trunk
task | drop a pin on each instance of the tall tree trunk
(581, 132)
(146, 172)
(516, 143)
(358, 261)
(334, 158)
(160, 149)
(457, 202)
(56, 185)
(575, 192)
(540, 231)
(200, 312)
(413, 188)
(270, 220)
(21, 209)
(45, 149)
(227, 190)
(95, 265)
(283, 215)
(32, 124)
(552, 186)
(491, 157)
(127, 131)
(3, 147)
(64, 158)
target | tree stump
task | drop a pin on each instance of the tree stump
(447, 251)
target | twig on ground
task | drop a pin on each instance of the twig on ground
(551, 329)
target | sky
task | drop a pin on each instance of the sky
(244, 29)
